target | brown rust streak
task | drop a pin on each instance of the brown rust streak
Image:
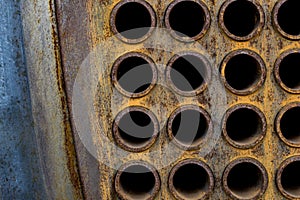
(69, 140)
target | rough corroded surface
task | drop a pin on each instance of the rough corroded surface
(51, 119)
(20, 176)
(85, 24)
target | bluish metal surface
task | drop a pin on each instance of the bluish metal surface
(20, 175)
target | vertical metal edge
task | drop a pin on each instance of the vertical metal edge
(49, 106)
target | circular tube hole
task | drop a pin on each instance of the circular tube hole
(188, 73)
(287, 124)
(245, 179)
(244, 126)
(137, 180)
(243, 72)
(286, 18)
(135, 129)
(134, 74)
(187, 20)
(188, 126)
(288, 178)
(241, 19)
(133, 20)
(287, 71)
(190, 180)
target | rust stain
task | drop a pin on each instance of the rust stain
(69, 140)
(267, 96)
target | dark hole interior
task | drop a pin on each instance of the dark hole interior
(289, 16)
(245, 180)
(188, 73)
(191, 180)
(242, 71)
(290, 126)
(137, 181)
(134, 74)
(130, 16)
(289, 70)
(187, 18)
(244, 126)
(290, 179)
(136, 128)
(241, 17)
(189, 127)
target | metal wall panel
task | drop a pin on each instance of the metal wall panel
(86, 30)
(20, 174)
(85, 25)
